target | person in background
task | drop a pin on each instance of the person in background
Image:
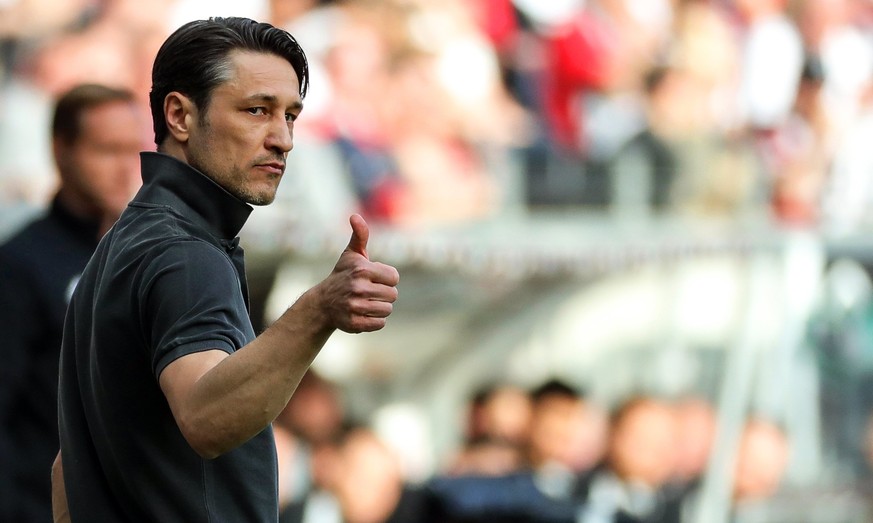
(96, 141)
(167, 396)
(761, 461)
(568, 431)
(759, 468)
(496, 431)
(630, 486)
(306, 432)
(370, 486)
(697, 422)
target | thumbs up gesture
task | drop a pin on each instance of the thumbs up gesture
(359, 295)
(360, 235)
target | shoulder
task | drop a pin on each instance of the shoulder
(188, 269)
(196, 254)
(160, 224)
(25, 247)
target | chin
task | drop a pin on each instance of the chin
(261, 200)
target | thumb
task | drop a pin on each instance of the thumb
(360, 235)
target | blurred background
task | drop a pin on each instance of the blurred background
(661, 199)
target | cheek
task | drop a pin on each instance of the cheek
(217, 155)
(108, 175)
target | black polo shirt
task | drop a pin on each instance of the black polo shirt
(166, 281)
(39, 267)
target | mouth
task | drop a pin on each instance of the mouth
(276, 168)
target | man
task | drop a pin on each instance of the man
(629, 486)
(96, 138)
(166, 394)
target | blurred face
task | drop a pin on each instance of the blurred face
(555, 428)
(696, 432)
(100, 170)
(507, 414)
(315, 412)
(244, 136)
(761, 462)
(369, 485)
(643, 444)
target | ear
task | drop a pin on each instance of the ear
(179, 112)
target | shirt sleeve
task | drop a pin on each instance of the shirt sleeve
(192, 301)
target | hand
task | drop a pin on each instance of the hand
(358, 295)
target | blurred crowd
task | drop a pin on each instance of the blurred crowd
(548, 454)
(450, 110)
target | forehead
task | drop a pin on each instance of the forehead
(116, 119)
(260, 74)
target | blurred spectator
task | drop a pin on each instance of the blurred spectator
(316, 411)
(644, 170)
(370, 487)
(111, 43)
(500, 411)
(486, 456)
(641, 457)
(498, 419)
(568, 432)
(758, 469)
(761, 462)
(449, 116)
(584, 57)
(847, 197)
(365, 485)
(96, 141)
(306, 490)
(705, 45)
(285, 12)
(696, 423)
(800, 151)
(835, 31)
(678, 162)
(305, 433)
(416, 143)
(772, 59)
(357, 64)
(566, 438)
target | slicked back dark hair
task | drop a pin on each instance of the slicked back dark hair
(194, 60)
(69, 107)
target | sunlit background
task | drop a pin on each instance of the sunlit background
(661, 197)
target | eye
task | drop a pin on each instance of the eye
(257, 111)
(290, 117)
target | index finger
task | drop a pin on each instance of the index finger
(384, 274)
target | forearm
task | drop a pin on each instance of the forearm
(60, 511)
(245, 391)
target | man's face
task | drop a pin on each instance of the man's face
(244, 136)
(101, 168)
(643, 444)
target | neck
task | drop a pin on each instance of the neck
(84, 210)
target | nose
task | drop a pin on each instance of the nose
(281, 136)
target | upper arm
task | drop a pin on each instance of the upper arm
(179, 377)
(191, 303)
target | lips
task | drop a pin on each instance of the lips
(274, 167)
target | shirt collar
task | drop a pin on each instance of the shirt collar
(169, 181)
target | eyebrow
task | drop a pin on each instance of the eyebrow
(274, 100)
